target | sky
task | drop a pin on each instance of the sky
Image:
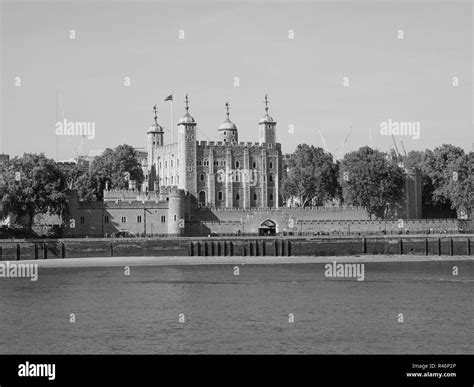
(401, 80)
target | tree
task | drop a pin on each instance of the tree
(311, 176)
(459, 183)
(371, 179)
(110, 167)
(32, 184)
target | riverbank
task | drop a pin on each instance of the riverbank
(190, 261)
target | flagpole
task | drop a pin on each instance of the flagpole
(172, 123)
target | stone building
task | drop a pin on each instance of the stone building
(226, 173)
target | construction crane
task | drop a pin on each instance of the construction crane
(77, 152)
(324, 142)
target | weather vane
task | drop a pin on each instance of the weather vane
(227, 108)
(187, 101)
(155, 110)
(266, 103)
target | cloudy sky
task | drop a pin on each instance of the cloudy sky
(404, 80)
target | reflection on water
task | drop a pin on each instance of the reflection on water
(249, 313)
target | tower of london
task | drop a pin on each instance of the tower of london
(221, 174)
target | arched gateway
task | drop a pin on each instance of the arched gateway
(267, 228)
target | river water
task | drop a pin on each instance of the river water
(209, 309)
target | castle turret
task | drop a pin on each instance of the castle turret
(267, 126)
(228, 130)
(155, 138)
(187, 152)
(176, 214)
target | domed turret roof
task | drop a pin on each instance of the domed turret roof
(156, 127)
(186, 119)
(266, 118)
(227, 125)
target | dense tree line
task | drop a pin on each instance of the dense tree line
(34, 184)
(375, 180)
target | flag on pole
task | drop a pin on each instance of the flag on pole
(169, 98)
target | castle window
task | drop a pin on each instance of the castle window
(254, 165)
(201, 177)
(271, 197)
(175, 217)
(177, 162)
(237, 197)
(163, 219)
(270, 178)
(166, 181)
(271, 164)
(124, 219)
(237, 176)
(254, 196)
(216, 162)
(172, 180)
(160, 165)
(106, 219)
(171, 163)
(225, 133)
(220, 195)
(177, 179)
(237, 164)
(139, 218)
(82, 220)
(166, 164)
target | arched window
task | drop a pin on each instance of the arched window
(270, 177)
(172, 180)
(177, 162)
(271, 197)
(220, 195)
(254, 165)
(237, 197)
(254, 196)
(201, 177)
(237, 176)
(237, 164)
(271, 164)
(171, 163)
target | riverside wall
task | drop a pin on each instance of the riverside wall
(237, 246)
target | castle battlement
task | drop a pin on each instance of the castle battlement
(127, 195)
(220, 144)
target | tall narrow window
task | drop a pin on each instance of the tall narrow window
(219, 195)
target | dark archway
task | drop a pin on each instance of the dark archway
(202, 198)
(267, 228)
